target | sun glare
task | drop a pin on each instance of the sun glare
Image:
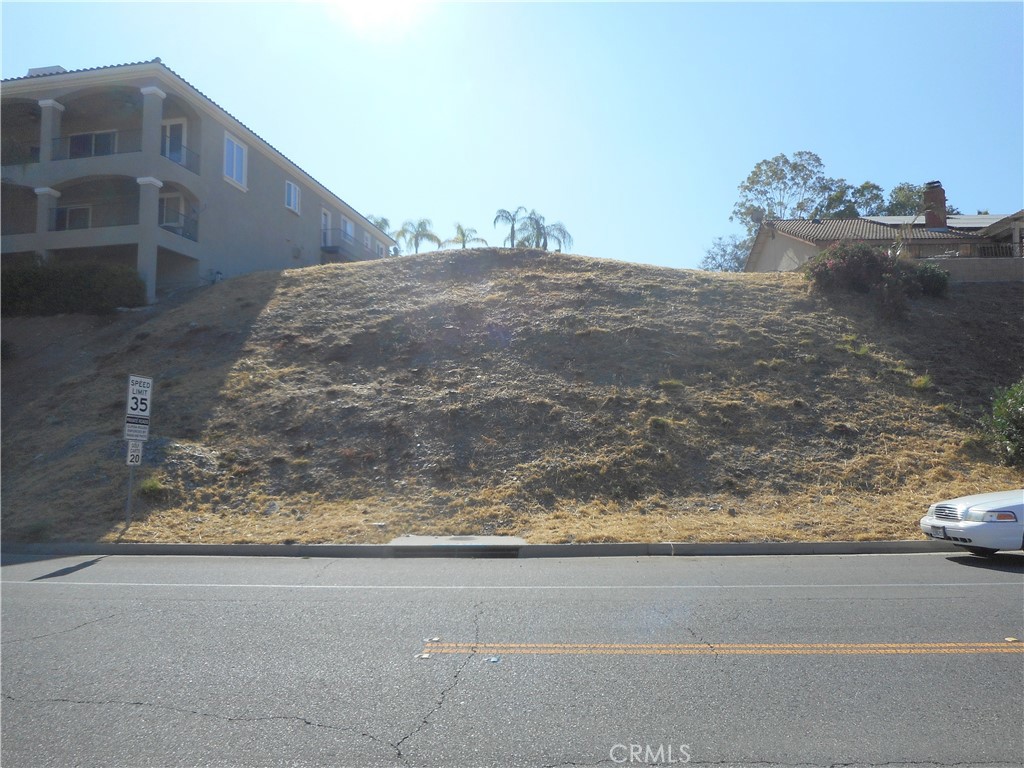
(378, 16)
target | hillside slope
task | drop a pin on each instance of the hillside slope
(555, 397)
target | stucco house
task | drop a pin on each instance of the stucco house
(982, 248)
(131, 164)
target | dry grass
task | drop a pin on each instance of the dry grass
(554, 397)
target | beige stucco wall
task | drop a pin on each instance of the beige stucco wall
(782, 254)
(982, 270)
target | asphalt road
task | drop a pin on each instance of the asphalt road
(732, 661)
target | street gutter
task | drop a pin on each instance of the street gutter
(492, 548)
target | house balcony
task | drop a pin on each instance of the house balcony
(339, 244)
(15, 152)
(178, 153)
(181, 225)
(96, 144)
(95, 214)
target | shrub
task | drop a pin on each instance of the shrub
(1006, 424)
(53, 289)
(861, 268)
(934, 281)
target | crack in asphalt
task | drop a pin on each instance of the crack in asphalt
(447, 689)
(66, 631)
(199, 713)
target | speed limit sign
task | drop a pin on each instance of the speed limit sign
(134, 453)
(138, 408)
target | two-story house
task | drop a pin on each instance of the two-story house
(131, 164)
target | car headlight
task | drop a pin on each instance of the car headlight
(980, 516)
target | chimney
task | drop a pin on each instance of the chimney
(934, 205)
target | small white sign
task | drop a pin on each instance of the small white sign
(134, 453)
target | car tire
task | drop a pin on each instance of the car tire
(982, 551)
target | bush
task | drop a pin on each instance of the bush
(1006, 424)
(54, 289)
(934, 281)
(861, 268)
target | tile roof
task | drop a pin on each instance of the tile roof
(830, 230)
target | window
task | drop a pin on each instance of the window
(347, 230)
(172, 140)
(92, 144)
(171, 210)
(325, 228)
(380, 250)
(234, 160)
(73, 217)
(366, 240)
(291, 196)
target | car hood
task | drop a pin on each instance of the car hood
(990, 501)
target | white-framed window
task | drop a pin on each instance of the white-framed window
(325, 227)
(92, 144)
(171, 210)
(73, 217)
(291, 196)
(366, 240)
(173, 137)
(380, 250)
(235, 153)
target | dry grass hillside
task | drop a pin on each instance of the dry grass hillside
(554, 397)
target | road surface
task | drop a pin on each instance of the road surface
(730, 661)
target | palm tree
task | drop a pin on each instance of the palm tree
(559, 234)
(511, 218)
(380, 223)
(415, 232)
(533, 231)
(464, 237)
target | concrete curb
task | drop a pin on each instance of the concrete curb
(65, 549)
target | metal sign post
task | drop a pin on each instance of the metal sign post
(136, 430)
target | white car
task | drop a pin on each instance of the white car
(982, 524)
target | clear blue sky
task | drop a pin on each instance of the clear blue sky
(631, 123)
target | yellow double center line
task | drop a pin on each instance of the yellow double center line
(719, 649)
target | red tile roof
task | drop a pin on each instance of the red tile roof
(830, 230)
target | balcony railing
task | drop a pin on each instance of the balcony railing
(997, 251)
(180, 224)
(14, 152)
(177, 152)
(97, 144)
(338, 241)
(93, 215)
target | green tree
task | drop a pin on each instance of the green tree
(844, 201)
(781, 188)
(464, 237)
(535, 232)
(727, 254)
(512, 219)
(906, 199)
(380, 223)
(413, 233)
